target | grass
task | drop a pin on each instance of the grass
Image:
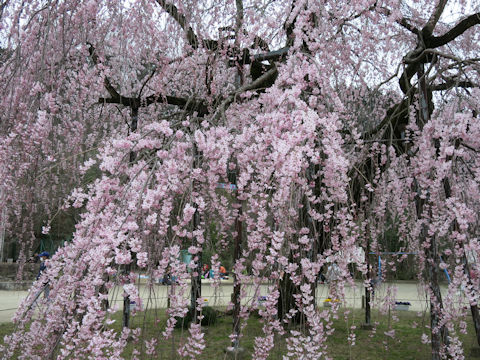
(369, 344)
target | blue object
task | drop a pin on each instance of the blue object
(379, 267)
(446, 273)
(226, 186)
(45, 253)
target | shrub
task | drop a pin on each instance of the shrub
(209, 317)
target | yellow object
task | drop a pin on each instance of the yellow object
(330, 300)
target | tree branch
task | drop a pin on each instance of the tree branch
(200, 106)
(181, 20)
(239, 17)
(246, 58)
(115, 97)
(402, 22)
(450, 83)
(456, 31)
(254, 85)
(393, 113)
(432, 22)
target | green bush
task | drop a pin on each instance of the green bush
(209, 318)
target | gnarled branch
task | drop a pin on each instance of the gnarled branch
(456, 31)
(181, 20)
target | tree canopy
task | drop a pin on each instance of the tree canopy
(332, 119)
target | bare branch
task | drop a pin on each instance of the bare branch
(395, 112)
(432, 22)
(402, 22)
(200, 106)
(456, 31)
(451, 83)
(181, 20)
(108, 85)
(254, 85)
(3, 5)
(146, 81)
(187, 104)
(239, 18)
(421, 56)
(246, 58)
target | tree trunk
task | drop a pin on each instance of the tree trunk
(286, 300)
(439, 336)
(196, 281)
(126, 305)
(126, 299)
(473, 307)
(236, 283)
(369, 279)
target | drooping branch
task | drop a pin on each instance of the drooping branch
(406, 76)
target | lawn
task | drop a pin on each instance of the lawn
(377, 345)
